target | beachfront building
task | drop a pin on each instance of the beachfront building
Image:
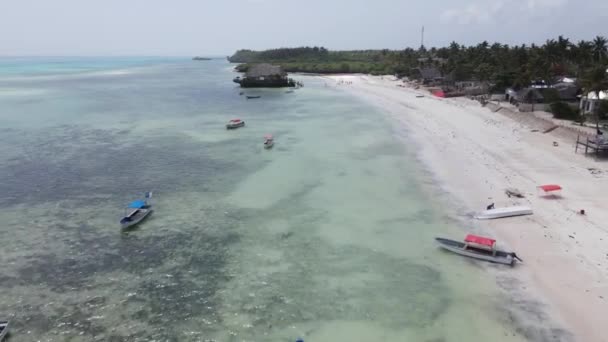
(590, 103)
(265, 76)
(429, 76)
(528, 100)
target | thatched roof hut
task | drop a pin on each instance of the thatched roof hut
(264, 70)
(265, 76)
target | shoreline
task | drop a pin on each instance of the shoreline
(474, 154)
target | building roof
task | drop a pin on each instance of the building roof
(567, 91)
(603, 95)
(529, 95)
(261, 70)
(430, 73)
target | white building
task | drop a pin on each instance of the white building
(590, 103)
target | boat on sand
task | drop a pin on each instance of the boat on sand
(503, 212)
(550, 190)
(235, 123)
(480, 248)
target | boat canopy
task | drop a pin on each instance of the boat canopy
(268, 136)
(235, 120)
(139, 204)
(550, 187)
(479, 240)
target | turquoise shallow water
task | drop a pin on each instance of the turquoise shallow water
(38, 66)
(327, 236)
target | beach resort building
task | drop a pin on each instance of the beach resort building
(265, 76)
(591, 102)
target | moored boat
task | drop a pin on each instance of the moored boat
(503, 212)
(550, 190)
(268, 141)
(249, 97)
(479, 248)
(3, 329)
(235, 123)
(137, 212)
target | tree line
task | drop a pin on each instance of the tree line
(504, 65)
(501, 65)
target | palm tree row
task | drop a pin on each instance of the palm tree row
(520, 64)
(501, 64)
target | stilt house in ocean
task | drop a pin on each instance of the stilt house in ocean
(265, 76)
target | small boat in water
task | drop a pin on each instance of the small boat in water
(138, 211)
(479, 248)
(235, 123)
(252, 97)
(268, 141)
(3, 329)
(503, 212)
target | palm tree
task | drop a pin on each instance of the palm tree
(599, 48)
(564, 46)
(584, 52)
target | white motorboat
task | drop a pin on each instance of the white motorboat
(479, 248)
(503, 212)
(268, 141)
(235, 123)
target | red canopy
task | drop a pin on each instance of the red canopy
(550, 187)
(268, 136)
(438, 93)
(479, 240)
(235, 120)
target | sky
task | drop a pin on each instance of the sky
(219, 27)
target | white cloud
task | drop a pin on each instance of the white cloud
(474, 12)
(478, 12)
(541, 4)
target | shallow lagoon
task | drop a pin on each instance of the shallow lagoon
(327, 236)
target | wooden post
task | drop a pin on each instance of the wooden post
(577, 138)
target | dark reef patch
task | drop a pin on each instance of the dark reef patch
(75, 162)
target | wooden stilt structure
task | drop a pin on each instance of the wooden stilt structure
(591, 145)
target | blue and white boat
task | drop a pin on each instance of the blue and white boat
(3, 329)
(137, 212)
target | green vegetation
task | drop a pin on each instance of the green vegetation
(503, 65)
(562, 110)
(321, 60)
(603, 110)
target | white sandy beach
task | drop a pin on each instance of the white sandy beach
(475, 154)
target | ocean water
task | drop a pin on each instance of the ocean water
(328, 236)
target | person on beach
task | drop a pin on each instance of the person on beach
(490, 207)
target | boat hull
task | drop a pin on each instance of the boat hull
(268, 145)
(457, 247)
(136, 219)
(503, 212)
(235, 126)
(3, 329)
